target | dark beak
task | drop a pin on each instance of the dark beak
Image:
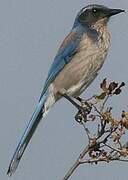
(113, 12)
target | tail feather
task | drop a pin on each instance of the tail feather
(28, 133)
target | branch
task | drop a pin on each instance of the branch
(76, 164)
(104, 159)
(106, 144)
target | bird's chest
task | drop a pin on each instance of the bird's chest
(84, 66)
(95, 48)
(93, 52)
(89, 60)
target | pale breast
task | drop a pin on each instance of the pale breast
(84, 67)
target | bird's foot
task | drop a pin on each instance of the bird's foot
(70, 99)
(84, 108)
(85, 104)
(81, 116)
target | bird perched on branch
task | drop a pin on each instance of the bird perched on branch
(76, 65)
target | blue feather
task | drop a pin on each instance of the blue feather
(28, 133)
(64, 55)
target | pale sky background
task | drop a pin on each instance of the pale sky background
(30, 34)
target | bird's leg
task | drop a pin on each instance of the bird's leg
(79, 99)
(71, 100)
(82, 114)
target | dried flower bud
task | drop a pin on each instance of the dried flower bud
(101, 96)
(122, 85)
(117, 91)
(103, 85)
(112, 86)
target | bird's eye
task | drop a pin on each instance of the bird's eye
(94, 10)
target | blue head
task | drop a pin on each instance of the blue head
(92, 14)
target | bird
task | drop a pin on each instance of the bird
(75, 66)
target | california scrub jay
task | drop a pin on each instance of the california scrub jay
(76, 65)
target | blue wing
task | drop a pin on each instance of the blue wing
(65, 53)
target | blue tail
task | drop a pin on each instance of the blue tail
(28, 133)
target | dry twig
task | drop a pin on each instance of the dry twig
(106, 144)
